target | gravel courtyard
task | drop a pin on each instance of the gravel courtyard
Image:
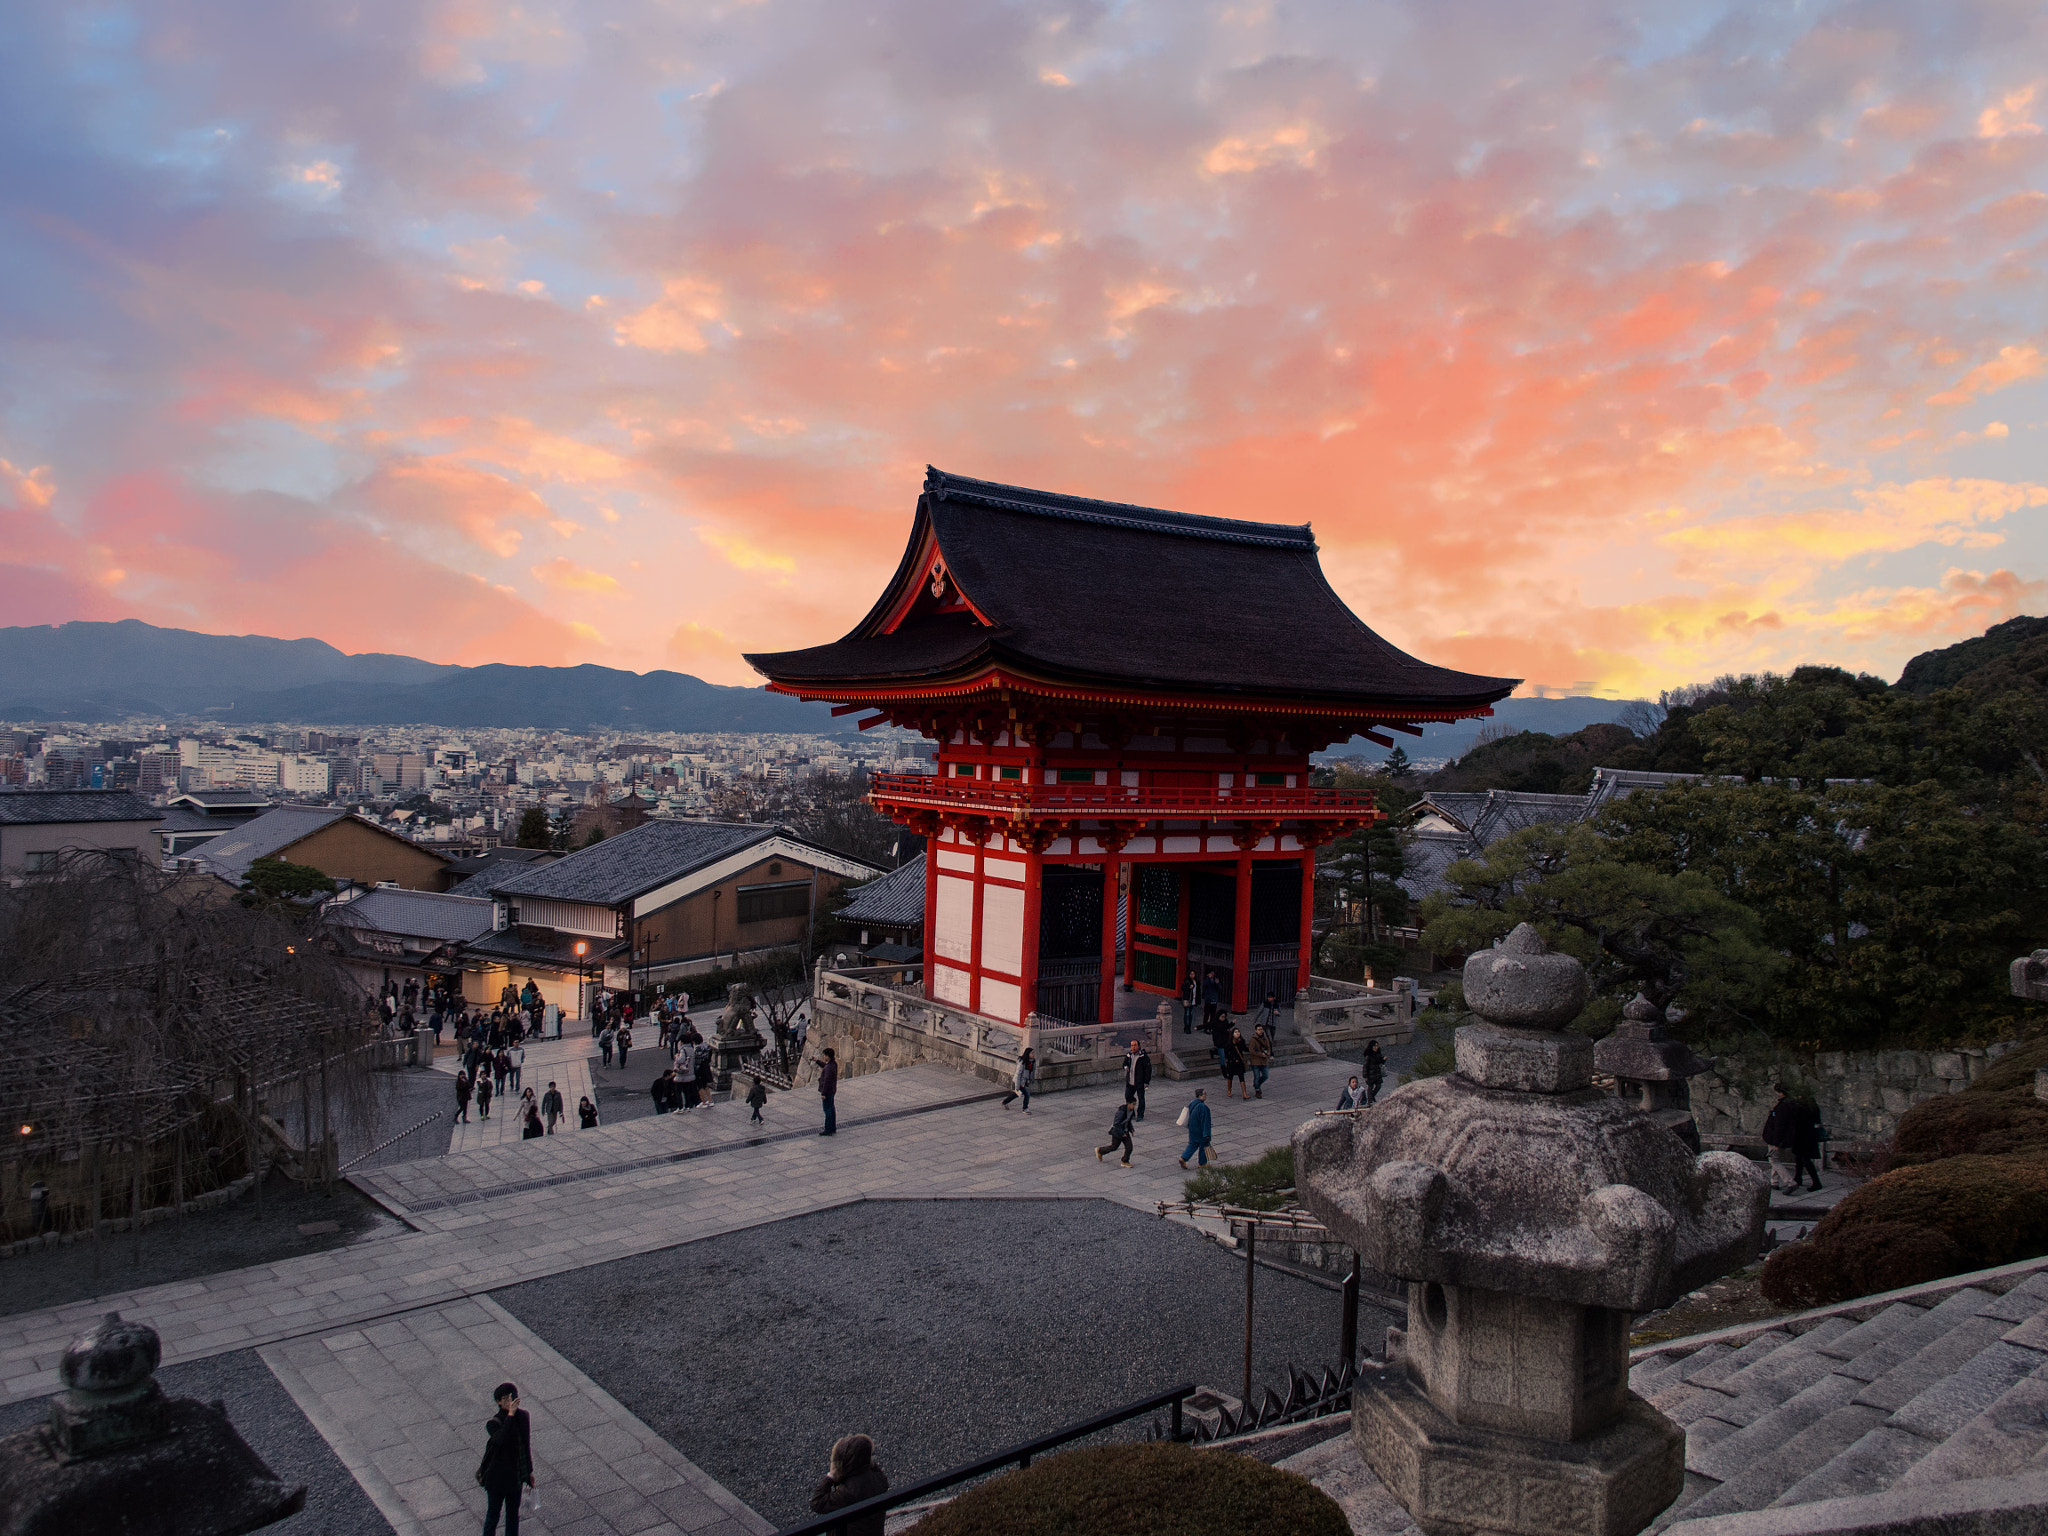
(944, 1329)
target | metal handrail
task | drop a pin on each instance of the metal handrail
(837, 1523)
(392, 1142)
(1138, 800)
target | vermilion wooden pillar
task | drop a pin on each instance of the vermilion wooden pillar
(1308, 921)
(1241, 938)
(1034, 881)
(931, 908)
(1106, 1003)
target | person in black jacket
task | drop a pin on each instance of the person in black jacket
(508, 1460)
(1120, 1129)
(1137, 1073)
(854, 1477)
(1792, 1132)
(1375, 1070)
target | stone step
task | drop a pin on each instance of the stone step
(1915, 1335)
(1867, 1335)
(2002, 1440)
(1646, 1377)
(1777, 1451)
(1970, 1390)
(1873, 1463)
(1762, 1388)
(1935, 1364)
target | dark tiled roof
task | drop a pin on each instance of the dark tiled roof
(415, 914)
(1090, 590)
(631, 863)
(501, 858)
(46, 807)
(892, 954)
(226, 799)
(506, 945)
(894, 901)
(231, 854)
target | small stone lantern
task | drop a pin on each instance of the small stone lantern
(1532, 1216)
(1650, 1071)
(118, 1455)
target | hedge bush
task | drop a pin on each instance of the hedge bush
(1978, 1211)
(1878, 1256)
(1996, 1115)
(1151, 1489)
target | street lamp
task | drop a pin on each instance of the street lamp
(581, 950)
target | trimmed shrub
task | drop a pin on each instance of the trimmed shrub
(1992, 1124)
(1987, 1210)
(1878, 1256)
(2015, 1069)
(1141, 1490)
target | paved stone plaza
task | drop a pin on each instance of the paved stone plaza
(390, 1346)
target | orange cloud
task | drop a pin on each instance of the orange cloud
(2012, 365)
(567, 576)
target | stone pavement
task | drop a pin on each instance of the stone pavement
(403, 1404)
(521, 1210)
(565, 1061)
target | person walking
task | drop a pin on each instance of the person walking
(1805, 1143)
(604, 1043)
(462, 1098)
(551, 1107)
(625, 1044)
(1779, 1125)
(1375, 1070)
(1022, 1078)
(1233, 1063)
(1212, 999)
(586, 1113)
(501, 1068)
(700, 1070)
(483, 1096)
(1259, 1052)
(516, 1061)
(508, 1460)
(1120, 1128)
(1137, 1073)
(757, 1095)
(1353, 1096)
(828, 1085)
(533, 1126)
(1196, 1118)
(1190, 995)
(853, 1478)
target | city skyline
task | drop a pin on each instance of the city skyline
(1609, 354)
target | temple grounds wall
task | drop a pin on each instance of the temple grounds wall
(1861, 1094)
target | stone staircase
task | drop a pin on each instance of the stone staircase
(1192, 1056)
(1941, 1386)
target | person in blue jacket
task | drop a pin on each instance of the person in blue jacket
(1196, 1116)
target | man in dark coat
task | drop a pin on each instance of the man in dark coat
(1792, 1131)
(854, 1477)
(508, 1460)
(828, 1085)
(1137, 1074)
(1375, 1070)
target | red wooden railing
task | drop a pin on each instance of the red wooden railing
(1139, 800)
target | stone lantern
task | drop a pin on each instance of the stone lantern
(1650, 1071)
(1531, 1215)
(119, 1455)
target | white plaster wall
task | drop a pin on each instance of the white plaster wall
(953, 923)
(1002, 931)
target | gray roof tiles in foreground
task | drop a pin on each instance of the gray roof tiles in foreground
(416, 914)
(276, 829)
(59, 807)
(632, 863)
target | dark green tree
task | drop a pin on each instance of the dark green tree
(533, 829)
(275, 879)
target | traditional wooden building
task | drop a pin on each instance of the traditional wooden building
(1125, 702)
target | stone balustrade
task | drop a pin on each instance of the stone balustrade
(1337, 1012)
(876, 1024)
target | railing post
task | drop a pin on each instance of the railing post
(1351, 1311)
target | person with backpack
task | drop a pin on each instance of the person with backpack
(1022, 1078)
(1120, 1128)
(1196, 1118)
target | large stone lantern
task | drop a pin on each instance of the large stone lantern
(1532, 1215)
(1650, 1070)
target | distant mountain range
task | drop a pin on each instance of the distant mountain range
(97, 671)
(1553, 717)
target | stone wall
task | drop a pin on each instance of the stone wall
(1861, 1094)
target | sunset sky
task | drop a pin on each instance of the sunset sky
(1608, 347)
